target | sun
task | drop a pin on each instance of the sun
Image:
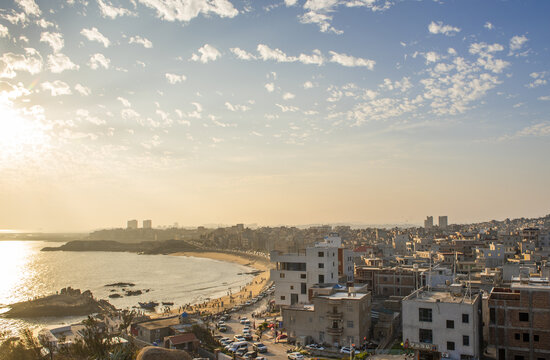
(21, 138)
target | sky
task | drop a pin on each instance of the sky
(272, 112)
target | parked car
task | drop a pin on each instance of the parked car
(314, 347)
(243, 320)
(239, 338)
(281, 337)
(347, 350)
(295, 356)
(241, 352)
(222, 328)
(259, 347)
(250, 355)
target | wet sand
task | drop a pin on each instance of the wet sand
(253, 288)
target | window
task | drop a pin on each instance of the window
(350, 324)
(321, 279)
(518, 357)
(321, 266)
(465, 318)
(450, 324)
(492, 315)
(517, 336)
(302, 276)
(321, 254)
(425, 314)
(523, 316)
(282, 275)
(282, 297)
(303, 288)
(535, 338)
(450, 345)
(425, 336)
(465, 340)
(525, 337)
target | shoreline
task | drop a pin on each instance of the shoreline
(250, 290)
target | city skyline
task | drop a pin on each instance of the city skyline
(280, 112)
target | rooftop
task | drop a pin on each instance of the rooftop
(443, 296)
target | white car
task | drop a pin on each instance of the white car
(295, 356)
(314, 347)
(243, 320)
(347, 350)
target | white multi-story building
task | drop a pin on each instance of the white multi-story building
(443, 222)
(400, 243)
(296, 273)
(429, 222)
(132, 224)
(443, 323)
(147, 224)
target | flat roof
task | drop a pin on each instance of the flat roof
(441, 296)
(344, 295)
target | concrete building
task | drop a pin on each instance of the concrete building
(295, 273)
(147, 224)
(443, 222)
(443, 323)
(519, 320)
(337, 316)
(400, 243)
(132, 224)
(429, 222)
(386, 282)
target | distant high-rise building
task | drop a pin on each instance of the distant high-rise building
(147, 224)
(429, 222)
(132, 224)
(443, 222)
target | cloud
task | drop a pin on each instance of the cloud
(82, 90)
(236, 107)
(350, 61)
(129, 114)
(55, 40)
(431, 57)
(488, 25)
(84, 115)
(270, 87)
(322, 20)
(315, 59)
(290, 2)
(124, 101)
(4, 31)
(57, 88)
(287, 108)
(266, 53)
(242, 54)
(93, 34)
(99, 60)
(544, 98)
(288, 96)
(29, 7)
(207, 53)
(174, 78)
(539, 79)
(43, 23)
(517, 42)
(439, 28)
(186, 10)
(10, 63)
(58, 63)
(142, 41)
(537, 130)
(486, 56)
(108, 10)
(308, 85)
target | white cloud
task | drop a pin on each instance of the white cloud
(10, 91)
(539, 79)
(288, 96)
(142, 41)
(93, 34)
(124, 101)
(439, 28)
(58, 63)
(29, 7)
(536, 130)
(488, 25)
(308, 85)
(270, 87)
(517, 42)
(266, 53)
(10, 63)
(316, 58)
(129, 114)
(486, 56)
(236, 107)
(84, 115)
(55, 40)
(287, 108)
(43, 23)
(350, 61)
(242, 54)
(290, 2)
(207, 53)
(4, 31)
(197, 112)
(322, 20)
(82, 90)
(431, 57)
(99, 60)
(57, 88)
(544, 98)
(186, 10)
(110, 11)
(174, 78)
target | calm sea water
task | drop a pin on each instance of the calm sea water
(26, 272)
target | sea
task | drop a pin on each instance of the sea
(27, 273)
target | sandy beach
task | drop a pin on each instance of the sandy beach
(253, 288)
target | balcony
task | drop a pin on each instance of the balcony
(331, 315)
(335, 331)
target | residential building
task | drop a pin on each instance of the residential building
(443, 222)
(400, 243)
(386, 282)
(337, 316)
(429, 222)
(443, 322)
(132, 224)
(147, 224)
(519, 319)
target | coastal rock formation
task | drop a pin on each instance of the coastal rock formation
(144, 247)
(68, 302)
(157, 353)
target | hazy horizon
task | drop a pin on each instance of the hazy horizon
(279, 112)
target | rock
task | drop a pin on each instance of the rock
(158, 353)
(121, 284)
(115, 296)
(133, 293)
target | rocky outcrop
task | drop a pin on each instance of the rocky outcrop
(67, 302)
(157, 353)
